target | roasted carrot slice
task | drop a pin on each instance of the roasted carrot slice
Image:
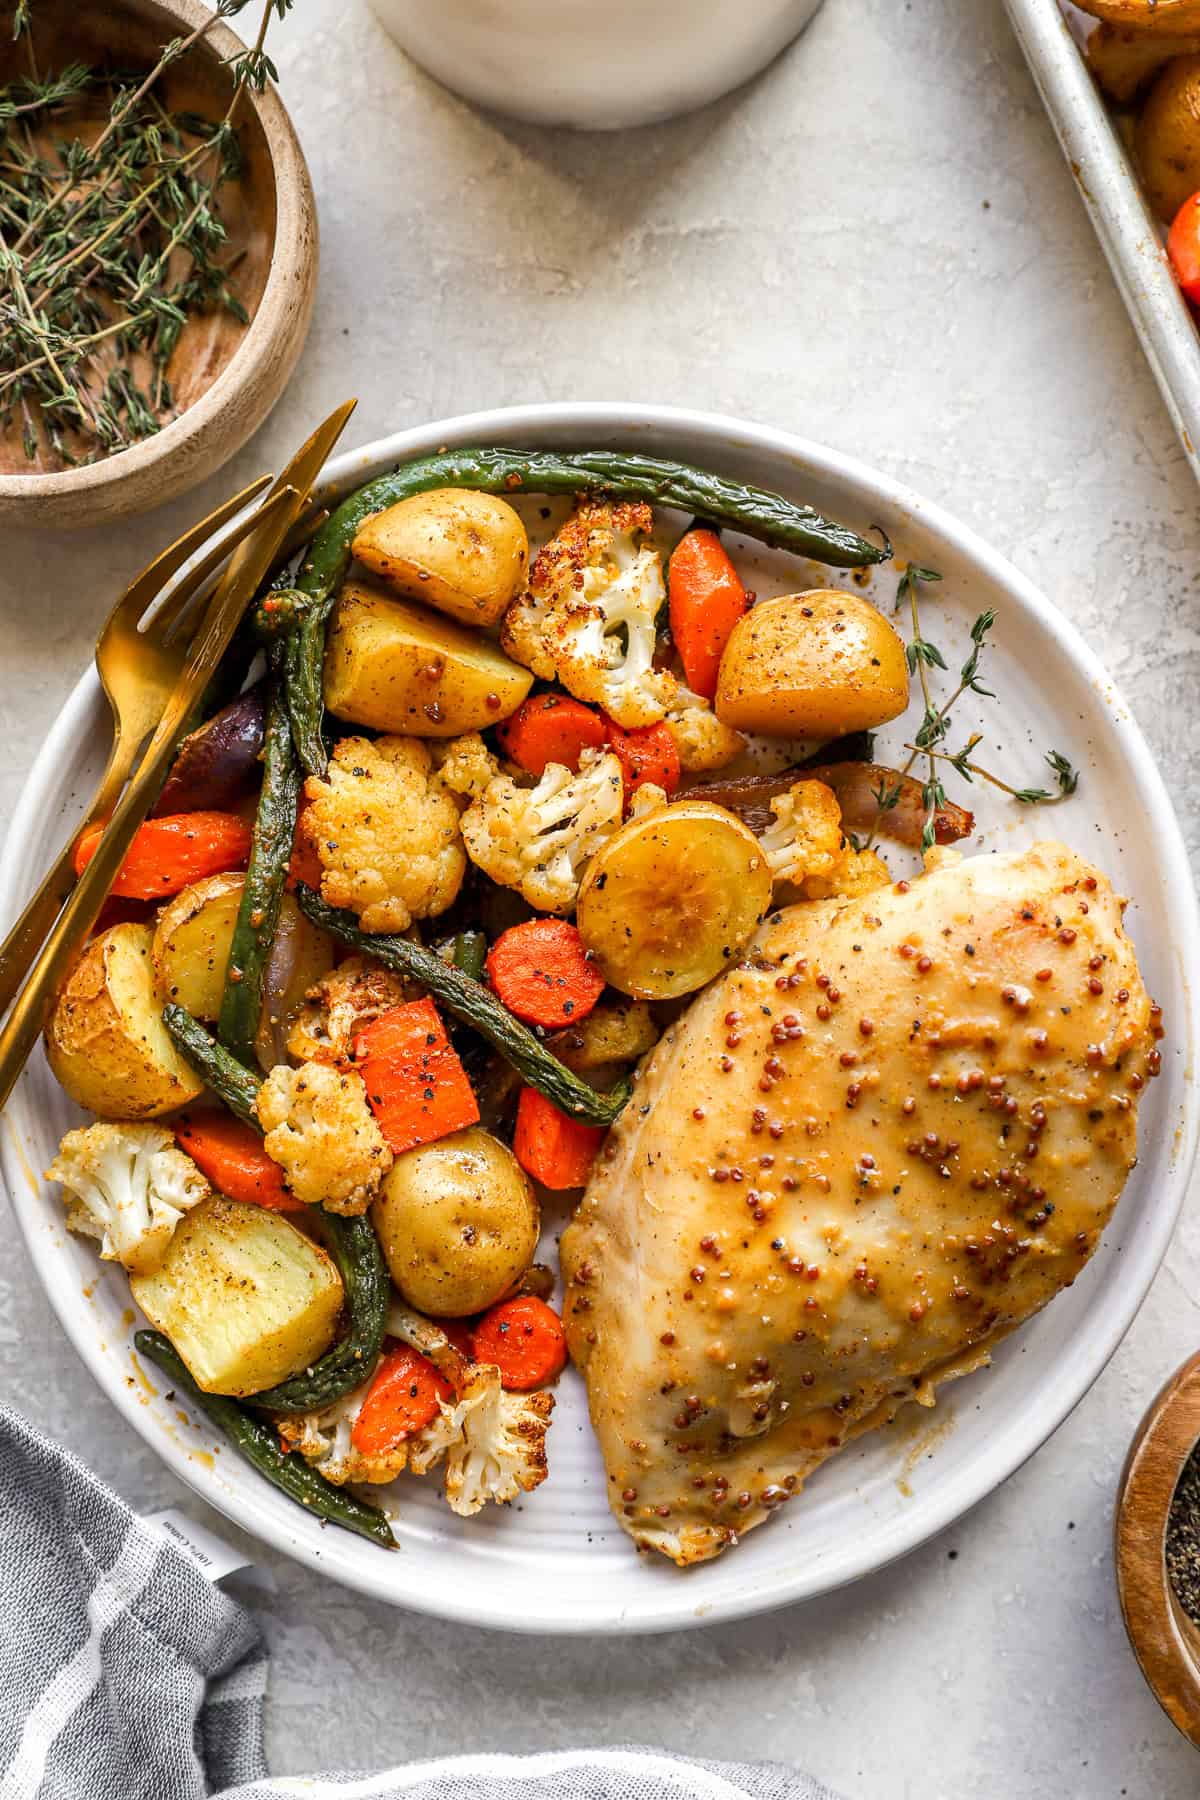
(416, 1085)
(232, 1156)
(556, 1150)
(524, 1338)
(402, 1399)
(541, 971)
(645, 754)
(168, 854)
(551, 728)
(707, 600)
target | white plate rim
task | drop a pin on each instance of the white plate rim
(257, 1508)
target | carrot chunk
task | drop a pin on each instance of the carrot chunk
(402, 1399)
(552, 1147)
(232, 1157)
(1183, 248)
(551, 728)
(168, 854)
(416, 1085)
(524, 1338)
(540, 970)
(647, 753)
(707, 600)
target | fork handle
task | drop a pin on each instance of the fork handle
(30, 931)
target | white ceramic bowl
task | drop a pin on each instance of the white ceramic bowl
(598, 68)
(557, 1562)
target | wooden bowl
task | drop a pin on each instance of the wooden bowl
(1165, 1641)
(225, 375)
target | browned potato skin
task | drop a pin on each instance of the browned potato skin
(1153, 15)
(1167, 138)
(462, 552)
(191, 943)
(458, 1223)
(813, 665)
(105, 1039)
(1124, 58)
(401, 668)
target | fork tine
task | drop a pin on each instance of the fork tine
(154, 577)
(165, 620)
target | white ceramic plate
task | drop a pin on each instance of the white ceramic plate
(557, 1562)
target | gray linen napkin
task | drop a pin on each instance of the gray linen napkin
(127, 1675)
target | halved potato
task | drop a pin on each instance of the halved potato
(814, 665)
(669, 900)
(245, 1298)
(105, 1039)
(1155, 15)
(1123, 58)
(1167, 138)
(191, 943)
(465, 553)
(401, 668)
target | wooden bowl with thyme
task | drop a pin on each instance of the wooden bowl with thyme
(158, 250)
(1157, 1547)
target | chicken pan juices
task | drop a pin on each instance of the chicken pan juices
(508, 890)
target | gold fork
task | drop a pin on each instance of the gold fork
(266, 531)
(138, 669)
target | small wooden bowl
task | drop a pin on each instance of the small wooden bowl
(1165, 1641)
(226, 375)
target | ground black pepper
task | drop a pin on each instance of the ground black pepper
(1183, 1538)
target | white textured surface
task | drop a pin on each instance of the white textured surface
(816, 252)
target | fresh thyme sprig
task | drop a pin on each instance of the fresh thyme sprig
(930, 736)
(109, 249)
(960, 760)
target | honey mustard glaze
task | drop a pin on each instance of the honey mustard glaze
(889, 1135)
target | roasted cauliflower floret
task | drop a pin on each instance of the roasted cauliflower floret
(128, 1186)
(494, 1443)
(465, 764)
(322, 1133)
(588, 617)
(857, 872)
(338, 1007)
(385, 827)
(702, 742)
(324, 1439)
(538, 838)
(805, 848)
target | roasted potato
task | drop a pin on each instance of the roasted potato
(1167, 137)
(458, 1222)
(191, 943)
(105, 1039)
(401, 668)
(1123, 58)
(245, 1298)
(462, 552)
(814, 665)
(614, 1033)
(1154, 15)
(669, 899)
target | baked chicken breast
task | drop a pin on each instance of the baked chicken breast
(889, 1135)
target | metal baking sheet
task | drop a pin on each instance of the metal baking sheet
(1051, 35)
